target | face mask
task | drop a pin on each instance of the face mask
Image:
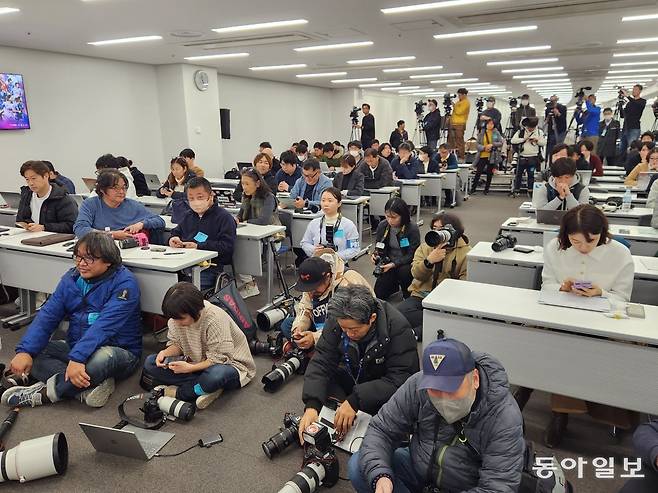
(199, 206)
(354, 153)
(490, 105)
(453, 410)
(301, 157)
(608, 119)
(524, 102)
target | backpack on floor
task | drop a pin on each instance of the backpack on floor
(532, 482)
(228, 299)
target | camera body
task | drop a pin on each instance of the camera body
(286, 436)
(381, 259)
(446, 234)
(272, 346)
(157, 406)
(502, 242)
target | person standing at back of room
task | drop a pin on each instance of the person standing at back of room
(458, 121)
(367, 126)
(190, 157)
(432, 123)
(632, 114)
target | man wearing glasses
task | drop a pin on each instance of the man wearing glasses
(308, 189)
(100, 298)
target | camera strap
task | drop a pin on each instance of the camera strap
(125, 419)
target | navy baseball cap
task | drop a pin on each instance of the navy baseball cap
(311, 273)
(445, 363)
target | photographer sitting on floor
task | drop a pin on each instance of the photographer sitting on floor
(366, 352)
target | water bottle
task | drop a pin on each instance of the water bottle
(626, 200)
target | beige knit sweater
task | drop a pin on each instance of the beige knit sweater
(216, 337)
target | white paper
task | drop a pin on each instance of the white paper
(569, 300)
(352, 440)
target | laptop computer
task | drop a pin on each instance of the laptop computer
(90, 183)
(549, 216)
(225, 197)
(128, 442)
(585, 176)
(643, 179)
(242, 165)
(153, 182)
(12, 199)
(351, 442)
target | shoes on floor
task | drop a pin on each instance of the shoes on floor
(249, 289)
(203, 401)
(21, 396)
(99, 395)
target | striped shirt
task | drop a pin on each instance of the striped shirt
(215, 337)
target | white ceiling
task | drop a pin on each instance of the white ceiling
(582, 33)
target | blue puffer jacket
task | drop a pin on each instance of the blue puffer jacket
(490, 459)
(104, 312)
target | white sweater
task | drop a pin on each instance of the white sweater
(609, 266)
(346, 238)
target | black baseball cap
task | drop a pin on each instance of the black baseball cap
(311, 273)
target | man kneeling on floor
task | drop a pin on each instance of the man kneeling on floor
(100, 298)
(215, 351)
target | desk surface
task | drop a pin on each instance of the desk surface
(412, 182)
(522, 306)
(388, 190)
(626, 230)
(464, 166)
(223, 180)
(247, 231)
(133, 257)
(434, 175)
(634, 212)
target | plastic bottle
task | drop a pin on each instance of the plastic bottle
(626, 200)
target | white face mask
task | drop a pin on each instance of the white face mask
(525, 102)
(301, 157)
(354, 153)
(453, 410)
(608, 119)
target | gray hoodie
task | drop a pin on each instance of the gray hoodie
(489, 461)
(540, 196)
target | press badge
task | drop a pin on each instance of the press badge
(404, 242)
(339, 234)
(200, 237)
(92, 317)
(352, 243)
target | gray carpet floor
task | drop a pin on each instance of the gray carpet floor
(249, 416)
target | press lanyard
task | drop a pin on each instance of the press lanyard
(346, 344)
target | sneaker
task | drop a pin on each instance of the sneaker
(24, 396)
(99, 395)
(249, 289)
(203, 401)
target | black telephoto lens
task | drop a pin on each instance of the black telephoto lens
(277, 443)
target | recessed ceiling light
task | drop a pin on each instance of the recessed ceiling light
(381, 84)
(619, 77)
(636, 40)
(321, 74)
(632, 71)
(217, 57)
(646, 17)
(434, 5)
(531, 69)
(8, 10)
(537, 76)
(472, 84)
(381, 60)
(137, 39)
(544, 80)
(412, 69)
(399, 88)
(278, 67)
(337, 46)
(454, 80)
(635, 53)
(626, 64)
(434, 76)
(262, 25)
(484, 32)
(519, 49)
(351, 81)
(415, 91)
(523, 62)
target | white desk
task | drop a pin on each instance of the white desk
(601, 197)
(223, 183)
(39, 269)
(353, 209)
(631, 217)
(379, 197)
(570, 352)
(607, 178)
(523, 270)
(643, 239)
(410, 191)
(298, 224)
(610, 188)
(8, 216)
(613, 171)
(434, 185)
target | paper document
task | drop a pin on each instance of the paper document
(650, 263)
(569, 300)
(352, 441)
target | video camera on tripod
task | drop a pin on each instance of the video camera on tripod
(513, 102)
(447, 103)
(479, 104)
(419, 108)
(354, 115)
(580, 97)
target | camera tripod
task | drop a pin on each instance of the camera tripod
(510, 129)
(419, 132)
(355, 133)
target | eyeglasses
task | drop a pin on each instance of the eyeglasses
(119, 188)
(87, 259)
(313, 175)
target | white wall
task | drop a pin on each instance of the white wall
(81, 108)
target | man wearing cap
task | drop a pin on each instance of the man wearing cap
(367, 350)
(317, 279)
(467, 431)
(491, 113)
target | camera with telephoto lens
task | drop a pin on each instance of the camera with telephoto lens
(354, 115)
(503, 242)
(320, 466)
(272, 346)
(287, 435)
(158, 406)
(446, 234)
(419, 107)
(296, 361)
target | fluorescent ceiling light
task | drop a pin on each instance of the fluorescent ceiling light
(635, 53)
(523, 62)
(416, 91)
(626, 64)
(484, 32)
(538, 76)
(620, 77)
(399, 88)
(137, 39)
(542, 87)
(321, 74)
(434, 76)
(475, 79)
(412, 69)
(381, 60)
(544, 80)
(434, 5)
(632, 18)
(519, 49)
(337, 46)
(472, 84)
(532, 69)
(217, 57)
(278, 67)
(636, 40)
(381, 84)
(8, 10)
(632, 71)
(262, 25)
(349, 81)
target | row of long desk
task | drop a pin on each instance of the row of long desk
(577, 353)
(618, 216)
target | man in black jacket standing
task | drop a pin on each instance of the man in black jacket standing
(432, 124)
(491, 113)
(365, 353)
(609, 129)
(632, 113)
(556, 123)
(367, 126)
(398, 136)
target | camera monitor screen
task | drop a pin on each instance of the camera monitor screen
(13, 105)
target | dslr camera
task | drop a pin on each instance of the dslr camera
(286, 436)
(502, 242)
(295, 361)
(446, 234)
(419, 107)
(381, 259)
(354, 115)
(320, 466)
(272, 346)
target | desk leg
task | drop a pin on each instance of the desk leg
(270, 262)
(27, 314)
(196, 276)
(418, 208)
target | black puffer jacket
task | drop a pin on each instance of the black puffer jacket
(58, 212)
(488, 460)
(389, 360)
